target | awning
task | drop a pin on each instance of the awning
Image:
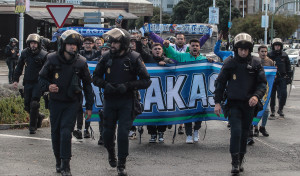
(108, 14)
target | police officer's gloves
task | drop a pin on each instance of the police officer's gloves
(109, 88)
(121, 88)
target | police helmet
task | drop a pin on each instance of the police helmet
(277, 41)
(118, 35)
(70, 37)
(13, 40)
(243, 40)
(34, 38)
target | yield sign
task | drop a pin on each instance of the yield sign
(59, 13)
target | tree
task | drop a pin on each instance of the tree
(156, 17)
(197, 11)
(251, 24)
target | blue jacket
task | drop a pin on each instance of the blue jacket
(222, 54)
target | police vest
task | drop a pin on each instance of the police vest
(33, 64)
(242, 78)
(280, 62)
(62, 73)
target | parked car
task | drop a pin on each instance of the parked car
(294, 56)
(255, 50)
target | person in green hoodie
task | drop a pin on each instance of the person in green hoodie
(192, 55)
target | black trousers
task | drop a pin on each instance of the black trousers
(32, 92)
(189, 127)
(79, 117)
(11, 64)
(117, 110)
(240, 119)
(62, 119)
(280, 87)
(153, 129)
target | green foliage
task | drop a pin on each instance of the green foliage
(12, 110)
(251, 24)
(197, 11)
(156, 17)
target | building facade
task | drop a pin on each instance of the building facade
(167, 5)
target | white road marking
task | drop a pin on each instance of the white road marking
(36, 138)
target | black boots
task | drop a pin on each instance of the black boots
(235, 163)
(65, 167)
(121, 167)
(58, 164)
(256, 132)
(112, 159)
(100, 141)
(241, 160)
(280, 113)
(263, 131)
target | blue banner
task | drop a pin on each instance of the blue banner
(177, 28)
(179, 93)
(84, 31)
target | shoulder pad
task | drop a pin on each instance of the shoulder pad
(80, 61)
(284, 54)
(229, 63)
(43, 54)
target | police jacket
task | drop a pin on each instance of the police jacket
(121, 70)
(245, 78)
(9, 54)
(57, 70)
(282, 62)
(90, 55)
(33, 64)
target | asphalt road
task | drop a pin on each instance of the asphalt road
(276, 155)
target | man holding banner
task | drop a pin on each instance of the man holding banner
(193, 55)
(244, 80)
(118, 72)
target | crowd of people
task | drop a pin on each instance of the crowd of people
(121, 72)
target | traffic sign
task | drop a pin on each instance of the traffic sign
(229, 24)
(59, 13)
(213, 15)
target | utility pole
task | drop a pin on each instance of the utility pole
(266, 22)
(243, 8)
(229, 22)
(214, 3)
(21, 32)
(160, 16)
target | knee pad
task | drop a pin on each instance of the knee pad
(34, 105)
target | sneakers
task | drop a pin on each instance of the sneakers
(263, 131)
(153, 138)
(161, 137)
(250, 141)
(256, 132)
(180, 130)
(77, 134)
(196, 136)
(86, 134)
(272, 114)
(132, 134)
(189, 140)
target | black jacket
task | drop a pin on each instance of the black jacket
(57, 70)
(90, 55)
(121, 70)
(9, 54)
(282, 63)
(242, 79)
(33, 64)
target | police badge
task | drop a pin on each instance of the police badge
(108, 70)
(234, 77)
(56, 76)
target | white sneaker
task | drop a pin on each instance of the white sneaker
(131, 134)
(196, 136)
(189, 140)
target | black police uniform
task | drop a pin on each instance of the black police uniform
(66, 74)
(119, 84)
(245, 78)
(283, 77)
(32, 93)
(11, 60)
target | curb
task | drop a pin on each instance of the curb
(13, 126)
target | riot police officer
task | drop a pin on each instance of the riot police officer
(33, 57)
(244, 80)
(283, 76)
(61, 76)
(117, 73)
(12, 53)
